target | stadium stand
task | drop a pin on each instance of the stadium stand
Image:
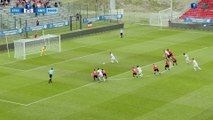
(12, 21)
(204, 10)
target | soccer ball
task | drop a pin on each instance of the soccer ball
(103, 63)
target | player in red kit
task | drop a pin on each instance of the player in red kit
(95, 74)
(156, 70)
(167, 65)
(104, 73)
(174, 60)
(134, 71)
(166, 53)
(170, 53)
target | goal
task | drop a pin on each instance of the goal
(26, 47)
(161, 18)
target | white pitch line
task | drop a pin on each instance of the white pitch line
(77, 58)
(71, 90)
(11, 102)
(146, 76)
(11, 68)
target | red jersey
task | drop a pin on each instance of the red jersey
(103, 71)
(95, 73)
(170, 52)
(155, 67)
(167, 62)
(173, 58)
(134, 70)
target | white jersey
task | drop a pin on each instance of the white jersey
(186, 56)
(112, 56)
(194, 62)
(139, 69)
(99, 71)
(121, 31)
(166, 53)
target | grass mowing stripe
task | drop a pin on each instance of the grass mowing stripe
(110, 78)
(71, 90)
(89, 84)
(64, 61)
(163, 60)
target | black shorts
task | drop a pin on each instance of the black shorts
(104, 74)
(134, 74)
(95, 76)
(175, 61)
(156, 70)
(50, 75)
(121, 34)
(166, 65)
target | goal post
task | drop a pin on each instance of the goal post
(31, 46)
(161, 18)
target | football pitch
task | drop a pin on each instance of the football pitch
(178, 94)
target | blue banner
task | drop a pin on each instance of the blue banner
(198, 20)
(86, 20)
(58, 24)
(36, 10)
(10, 32)
(40, 10)
(112, 17)
(104, 17)
(16, 10)
(34, 28)
(51, 10)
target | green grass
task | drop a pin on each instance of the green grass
(178, 94)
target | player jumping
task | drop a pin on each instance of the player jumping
(170, 53)
(166, 53)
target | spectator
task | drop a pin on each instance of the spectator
(37, 23)
(56, 4)
(77, 17)
(59, 3)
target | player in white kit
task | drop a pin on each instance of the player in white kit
(186, 58)
(100, 75)
(113, 59)
(195, 64)
(139, 70)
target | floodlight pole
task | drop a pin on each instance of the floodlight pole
(70, 23)
(171, 12)
(26, 32)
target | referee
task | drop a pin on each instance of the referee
(50, 75)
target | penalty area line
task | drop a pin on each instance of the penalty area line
(12, 102)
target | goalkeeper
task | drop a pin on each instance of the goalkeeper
(43, 50)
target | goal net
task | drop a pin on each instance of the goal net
(26, 47)
(161, 18)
